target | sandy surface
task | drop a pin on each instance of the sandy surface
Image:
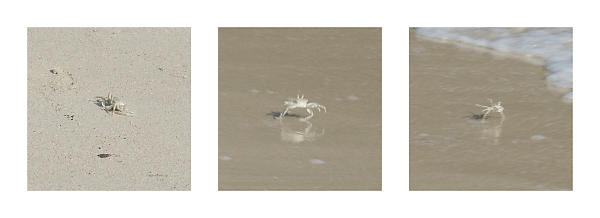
(148, 68)
(337, 150)
(530, 150)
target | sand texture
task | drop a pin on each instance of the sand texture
(75, 145)
(339, 68)
(531, 149)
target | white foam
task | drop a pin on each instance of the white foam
(553, 45)
(352, 97)
(538, 137)
(316, 161)
(568, 97)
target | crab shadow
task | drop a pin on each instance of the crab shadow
(276, 115)
(475, 116)
(98, 102)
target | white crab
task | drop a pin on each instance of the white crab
(301, 102)
(113, 104)
(497, 107)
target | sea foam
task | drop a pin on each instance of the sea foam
(553, 45)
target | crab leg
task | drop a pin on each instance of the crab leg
(310, 114)
(284, 112)
(321, 106)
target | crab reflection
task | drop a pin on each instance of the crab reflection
(492, 130)
(297, 130)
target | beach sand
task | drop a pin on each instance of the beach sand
(530, 150)
(75, 145)
(339, 68)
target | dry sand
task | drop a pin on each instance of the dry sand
(340, 68)
(148, 68)
(530, 150)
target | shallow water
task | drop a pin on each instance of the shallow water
(531, 149)
(339, 68)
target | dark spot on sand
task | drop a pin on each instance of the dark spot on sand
(69, 116)
(104, 155)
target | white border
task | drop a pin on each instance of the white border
(394, 201)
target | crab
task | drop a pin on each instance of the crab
(493, 107)
(113, 104)
(301, 102)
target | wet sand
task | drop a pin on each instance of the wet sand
(339, 68)
(529, 150)
(75, 145)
